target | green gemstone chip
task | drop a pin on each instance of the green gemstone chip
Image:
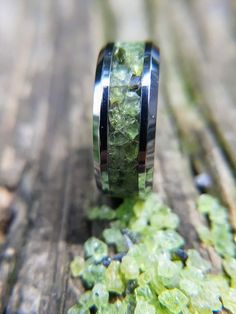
(143, 266)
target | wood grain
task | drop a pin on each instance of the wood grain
(46, 88)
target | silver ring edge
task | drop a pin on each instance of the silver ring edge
(148, 115)
(100, 118)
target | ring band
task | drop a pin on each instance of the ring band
(124, 117)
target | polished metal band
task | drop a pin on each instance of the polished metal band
(102, 128)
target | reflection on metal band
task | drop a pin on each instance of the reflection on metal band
(150, 84)
(100, 105)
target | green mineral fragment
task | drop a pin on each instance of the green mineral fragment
(189, 287)
(78, 309)
(103, 212)
(229, 300)
(207, 204)
(92, 274)
(144, 279)
(208, 297)
(114, 236)
(100, 295)
(164, 219)
(145, 293)
(192, 281)
(166, 268)
(205, 235)
(144, 307)
(157, 284)
(174, 300)
(169, 271)
(117, 96)
(130, 268)
(86, 300)
(195, 260)
(151, 205)
(95, 249)
(168, 239)
(125, 211)
(138, 208)
(219, 235)
(219, 280)
(138, 225)
(201, 305)
(119, 307)
(161, 309)
(192, 273)
(222, 240)
(230, 268)
(84, 304)
(113, 278)
(136, 252)
(119, 55)
(151, 272)
(77, 266)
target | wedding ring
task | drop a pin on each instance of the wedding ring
(124, 117)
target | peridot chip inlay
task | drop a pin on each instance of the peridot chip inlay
(124, 117)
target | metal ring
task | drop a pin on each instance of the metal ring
(124, 117)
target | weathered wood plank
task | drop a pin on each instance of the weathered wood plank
(45, 127)
(192, 124)
(11, 149)
(36, 273)
(215, 100)
(217, 17)
(11, 164)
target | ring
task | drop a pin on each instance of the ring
(124, 117)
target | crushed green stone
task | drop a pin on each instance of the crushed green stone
(129, 268)
(144, 307)
(219, 234)
(229, 300)
(230, 268)
(102, 213)
(166, 239)
(174, 300)
(92, 274)
(77, 266)
(77, 309)
(168, 271)
(165, 219)
(113, 278)
(123, 118)
(145, 293)
(195, 260)
(84, 304)
(114, 236)
(100, 295)
(95, 249)
(142, 267)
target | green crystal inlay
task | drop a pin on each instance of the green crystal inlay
(123, 118)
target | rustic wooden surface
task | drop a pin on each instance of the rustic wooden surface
(48, 53)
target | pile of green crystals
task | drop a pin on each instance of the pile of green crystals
(140, 265)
